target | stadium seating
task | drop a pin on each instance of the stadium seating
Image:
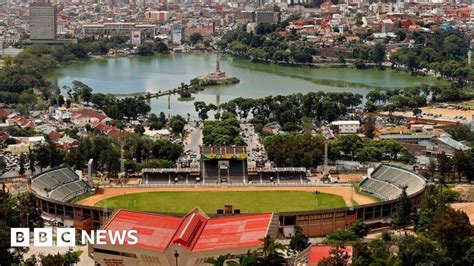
(60, 184)
(387, 182)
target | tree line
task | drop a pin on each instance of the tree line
(289, 111)
(224, 132)
(265, 44)
(414, 97)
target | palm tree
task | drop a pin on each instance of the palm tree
(219, 261)
(249, 259)
(272, 251)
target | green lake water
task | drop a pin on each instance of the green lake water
(123, 75)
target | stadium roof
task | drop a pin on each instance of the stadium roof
(155, 231)
(234, 232)
(196, 231)
(454, 144)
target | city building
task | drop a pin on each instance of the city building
(177, 35)
(116, 28)
(43, 22)
(171, 240)
(266, 16)
(155, 16)
(314, 254)
(348, 126)
(450, 145)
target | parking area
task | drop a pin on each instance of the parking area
(255, 148)
(192, 140)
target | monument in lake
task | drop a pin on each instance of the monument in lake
(217, 77)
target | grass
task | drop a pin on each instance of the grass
(210, 201)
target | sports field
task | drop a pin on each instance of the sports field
(210, 201)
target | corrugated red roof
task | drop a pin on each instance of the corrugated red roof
(190, 230)
(194, 231)
(54, 136)
(319, 252)
(234, 232)
(92, 113)
(155, 231)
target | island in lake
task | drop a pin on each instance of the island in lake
(216, 77)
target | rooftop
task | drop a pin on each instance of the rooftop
(346, 122)
(195, 231)
(155, 231)
(454, 143)
(319, 252)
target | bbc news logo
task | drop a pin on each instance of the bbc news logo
(66, 237)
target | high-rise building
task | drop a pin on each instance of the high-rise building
(42, 22)
(177, 33)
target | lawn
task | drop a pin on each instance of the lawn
(210, 201)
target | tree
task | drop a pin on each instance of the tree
(461, 163)
(3, 164)
(71, 258)
(13, 213)
(369, 127)
(360, 229)
(299, 241)
(293, 150)
(378, 54)
(28, 212)
(444, 164)
(195, 38)
(31, 158)
(272, 251)
(139, 129)
(145, 49)
(81, 90)
(219, 261)
(417, 112)
(249, 259)
(177, 124)
(341, 236)
(403, 212)
(431, 168)
(161, 47)
(420, 250)
(21, 171)
(338, 257)
(453, 230)
(202, 108)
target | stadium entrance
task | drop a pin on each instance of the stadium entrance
(224, 164)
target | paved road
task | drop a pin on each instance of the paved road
(251, 139)
(194, 139)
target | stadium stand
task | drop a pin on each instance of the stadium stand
(387, 182)
(60, 184)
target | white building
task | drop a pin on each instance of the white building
(347, 126)
(157, 134)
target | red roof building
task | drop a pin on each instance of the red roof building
(107, 130)
(315, 253)
(194, 237)
(20, 121)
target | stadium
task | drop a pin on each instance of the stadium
(188, 220)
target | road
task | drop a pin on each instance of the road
(194, 138)
(251, 139)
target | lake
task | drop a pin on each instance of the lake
(162, 72)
